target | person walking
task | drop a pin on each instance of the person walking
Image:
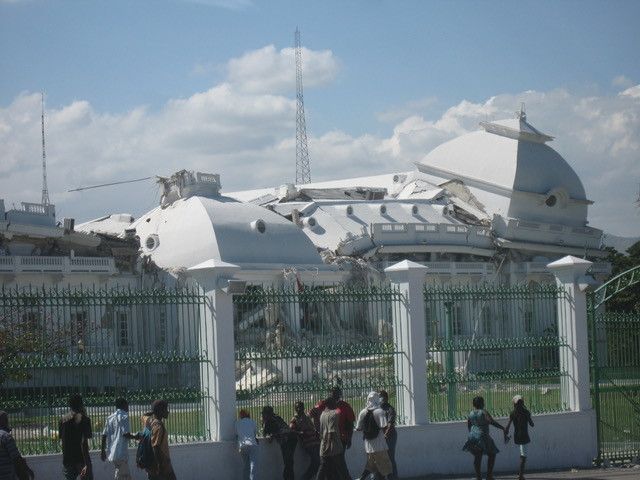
(115, 437)
(309, 439)
(246, 433)
(390, 432)
(274, 427)
(12, 464)
(521, 419)
(74, 432)
(479, 442)
(372, 422)
(346, 418)
(162, 469)
(331, 447)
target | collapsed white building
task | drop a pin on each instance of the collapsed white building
(495, 205)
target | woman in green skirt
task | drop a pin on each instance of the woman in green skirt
(479, 442)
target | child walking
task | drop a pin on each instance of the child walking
(521, 419)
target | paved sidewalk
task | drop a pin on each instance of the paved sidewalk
(591, 474)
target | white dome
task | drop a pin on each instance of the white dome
(511, 154)
(196, 229)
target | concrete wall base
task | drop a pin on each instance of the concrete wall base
(558, 441)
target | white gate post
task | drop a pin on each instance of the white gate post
(573, 328)
(409, 332)
(217, 344)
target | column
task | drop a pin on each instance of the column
(570, 273)
(217, 372)
(410, 336)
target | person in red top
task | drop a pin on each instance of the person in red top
(346, 421)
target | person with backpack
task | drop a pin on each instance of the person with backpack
(74, 432)
(521, 419)
(274, 427)
(302, 425)
(115, 436)
(372, 421)
(246, 433)
(12, 464)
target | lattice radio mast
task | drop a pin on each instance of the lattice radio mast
(45, 190)
(303, 169)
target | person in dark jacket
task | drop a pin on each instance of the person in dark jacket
(74, 433)
(521, 419)
(274, 427)
(12, 464)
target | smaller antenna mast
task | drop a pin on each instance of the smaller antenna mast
(45, 190)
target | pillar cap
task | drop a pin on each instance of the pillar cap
(405, 270)
(213, 266)
(406, 266)
(577, 266)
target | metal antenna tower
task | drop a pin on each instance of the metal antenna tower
(45, 190)
(303, 169)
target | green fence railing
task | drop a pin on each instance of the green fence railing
(294, 344)
(493, 341)
(103, 344)
(616, 383)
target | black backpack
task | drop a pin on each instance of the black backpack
(370, 428)
(145, 458)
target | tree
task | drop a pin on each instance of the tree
(23, 337)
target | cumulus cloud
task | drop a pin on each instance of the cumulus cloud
(633, 92)
(244, 129)
(268, 70)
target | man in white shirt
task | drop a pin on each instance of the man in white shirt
(115, 440)
(246, 431)
(372, 421)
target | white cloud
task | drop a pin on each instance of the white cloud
(621, 81)
(244, 129)
(415, 107)
(633, 92)
(270, 70)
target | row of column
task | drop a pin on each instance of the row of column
(218, 345)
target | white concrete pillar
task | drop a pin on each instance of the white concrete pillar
(217, 372)
(570, 273)
(410, 336)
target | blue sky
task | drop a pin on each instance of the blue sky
(373, 69)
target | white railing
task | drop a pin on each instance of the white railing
(431, 233)
(541, 267)
(455, 268)
(16, 264)
(35, 208)
(552, 233)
